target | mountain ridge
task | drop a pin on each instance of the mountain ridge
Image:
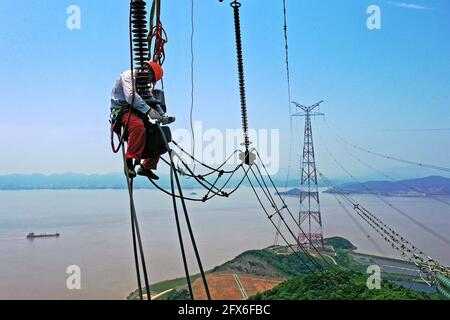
(424, 186)
(430, 185)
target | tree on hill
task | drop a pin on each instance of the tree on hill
(340, 243)
(337, 285)
(266, 263)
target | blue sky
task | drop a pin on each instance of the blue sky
(56, 83)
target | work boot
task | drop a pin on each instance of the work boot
(130, 169)
(131, 173)
(147, 173)
(165, 120)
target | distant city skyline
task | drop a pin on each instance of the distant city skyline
(386, 90)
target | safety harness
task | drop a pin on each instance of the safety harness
(155, 144)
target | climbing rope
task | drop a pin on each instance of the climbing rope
(157, 37)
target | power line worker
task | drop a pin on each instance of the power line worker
(121, 98)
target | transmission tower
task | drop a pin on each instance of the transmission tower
(310, 220)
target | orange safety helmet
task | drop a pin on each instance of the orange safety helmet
(157, 70)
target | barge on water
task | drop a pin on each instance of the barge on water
(33, 235)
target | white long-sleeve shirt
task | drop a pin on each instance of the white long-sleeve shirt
(122, 95)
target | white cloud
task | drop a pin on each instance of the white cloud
(410, 5)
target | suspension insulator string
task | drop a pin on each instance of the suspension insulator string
(141, 49)
(240, 62)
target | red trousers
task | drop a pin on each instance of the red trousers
(136, 141)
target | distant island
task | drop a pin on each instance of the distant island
(421, 187)
(77, 181)
(69, 181)
(291, 193)
(433, 185)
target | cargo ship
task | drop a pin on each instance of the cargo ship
(32, 235)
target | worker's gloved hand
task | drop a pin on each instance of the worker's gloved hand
(153, 114)
(167, 120)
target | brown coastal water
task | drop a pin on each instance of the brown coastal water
(96, 236)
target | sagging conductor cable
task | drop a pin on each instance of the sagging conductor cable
(186, 216)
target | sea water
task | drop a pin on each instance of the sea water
(96, 236)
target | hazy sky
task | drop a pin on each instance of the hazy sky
(56, 83)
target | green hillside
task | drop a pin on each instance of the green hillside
(339, 243)
(278, 262)
(268, 263)
(346, 285)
